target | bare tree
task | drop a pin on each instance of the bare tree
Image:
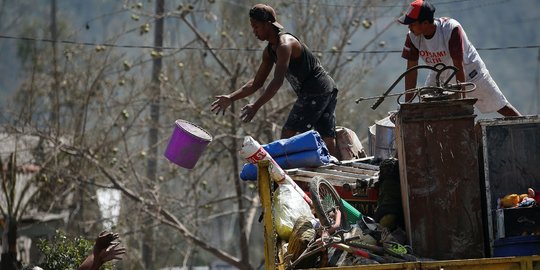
(11, 210)
(18, 188)
(109, 107)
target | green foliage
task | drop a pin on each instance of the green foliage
(64, 253)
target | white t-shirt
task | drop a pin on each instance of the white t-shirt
(437, 50)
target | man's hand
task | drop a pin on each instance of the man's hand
(105, 249)
(248, 112)
(113, 252)
(221, 103)
(104, 240)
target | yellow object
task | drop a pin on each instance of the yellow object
(514, 263)
(264, 192)
(510, 200)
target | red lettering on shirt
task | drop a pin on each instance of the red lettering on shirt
(433, 57)
(433, 60)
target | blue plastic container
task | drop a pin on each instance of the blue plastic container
(517, 246)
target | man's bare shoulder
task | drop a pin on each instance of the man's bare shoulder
(290, 43)
(288, 40)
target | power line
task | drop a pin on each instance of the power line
(476, 4)
(111, 45)
(437, 3)
(304, 3)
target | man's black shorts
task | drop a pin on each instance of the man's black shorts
(314, 112)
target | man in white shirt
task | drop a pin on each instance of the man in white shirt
(443, 40)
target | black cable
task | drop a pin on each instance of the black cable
(226, 49)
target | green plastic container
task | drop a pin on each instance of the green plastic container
(353, 215)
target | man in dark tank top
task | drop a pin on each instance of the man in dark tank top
(316, 90)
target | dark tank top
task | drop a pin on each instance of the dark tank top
(305, 73)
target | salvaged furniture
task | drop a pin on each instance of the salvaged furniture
(439, 175)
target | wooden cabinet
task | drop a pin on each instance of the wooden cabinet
(439, 175)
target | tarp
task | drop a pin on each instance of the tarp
(303, 150)
(309, 140)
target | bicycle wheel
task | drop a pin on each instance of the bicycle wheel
(325, 199)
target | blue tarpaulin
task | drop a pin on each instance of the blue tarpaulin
(309, 140)
(303, 150)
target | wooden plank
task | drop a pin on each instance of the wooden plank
(364, 166)
(301, 178)
(357, 160)
(329, 174)
(339, 173)
(335, 180)
(356, 170)
(508, 263)
(352, 166)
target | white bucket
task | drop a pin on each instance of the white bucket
(385, 141)
(371, 140)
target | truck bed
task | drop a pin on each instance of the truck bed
(361, 171)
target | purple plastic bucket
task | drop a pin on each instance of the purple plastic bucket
(187, 144)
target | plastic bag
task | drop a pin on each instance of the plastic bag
(348, 144)
(288, 207)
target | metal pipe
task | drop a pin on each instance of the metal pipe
(439, 68)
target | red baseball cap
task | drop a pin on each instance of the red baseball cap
(264, 13)
(419, 10)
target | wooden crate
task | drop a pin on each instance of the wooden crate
(363, 199)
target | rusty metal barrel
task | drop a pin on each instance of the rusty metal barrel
(439, 176)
